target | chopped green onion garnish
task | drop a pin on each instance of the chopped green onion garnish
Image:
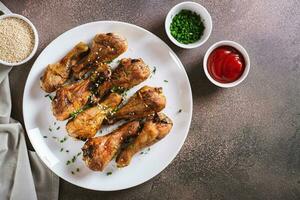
(187, 27)
(109, 173)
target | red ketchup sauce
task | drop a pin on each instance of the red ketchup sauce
(225, 64)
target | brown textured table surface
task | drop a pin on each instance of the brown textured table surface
(244, 142)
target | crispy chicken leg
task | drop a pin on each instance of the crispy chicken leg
(99, 151)
(72, 97)
(57, 74)
(154, 130)
(129, 73)
(105, 48)
(145, 102)
(87, 123)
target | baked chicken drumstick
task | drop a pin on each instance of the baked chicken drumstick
(86, 124)
(105, 48)
(145, 102)
(72, 97)
(154, 130)
(129, 73)
(99, 151)
(57, 74)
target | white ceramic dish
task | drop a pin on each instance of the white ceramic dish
(38, 117)
(200, 10)
(36, 39)
(240, 49)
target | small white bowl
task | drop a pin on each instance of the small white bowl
(237, 47)
(194, 7)
(36, 40)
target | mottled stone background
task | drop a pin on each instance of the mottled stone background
(244, 142)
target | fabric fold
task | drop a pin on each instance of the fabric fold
(5, 102)
(42, 177)
(22, 174)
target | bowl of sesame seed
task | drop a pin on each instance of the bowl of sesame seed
(18, 40)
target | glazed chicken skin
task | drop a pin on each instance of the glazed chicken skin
(86, 124)
(105, 48)
(99, 151)
(154, 130)
(129, 73)
(72, 97)
(145, 102)
(58, 73)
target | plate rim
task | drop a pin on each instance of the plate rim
(171, 159)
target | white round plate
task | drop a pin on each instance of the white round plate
(170, 75)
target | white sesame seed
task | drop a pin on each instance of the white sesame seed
(16, 39)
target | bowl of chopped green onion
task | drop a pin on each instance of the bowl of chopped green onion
(188, 25)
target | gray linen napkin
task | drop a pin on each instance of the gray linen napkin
(22, 174)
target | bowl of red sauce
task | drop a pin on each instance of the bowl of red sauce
(226, 64)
